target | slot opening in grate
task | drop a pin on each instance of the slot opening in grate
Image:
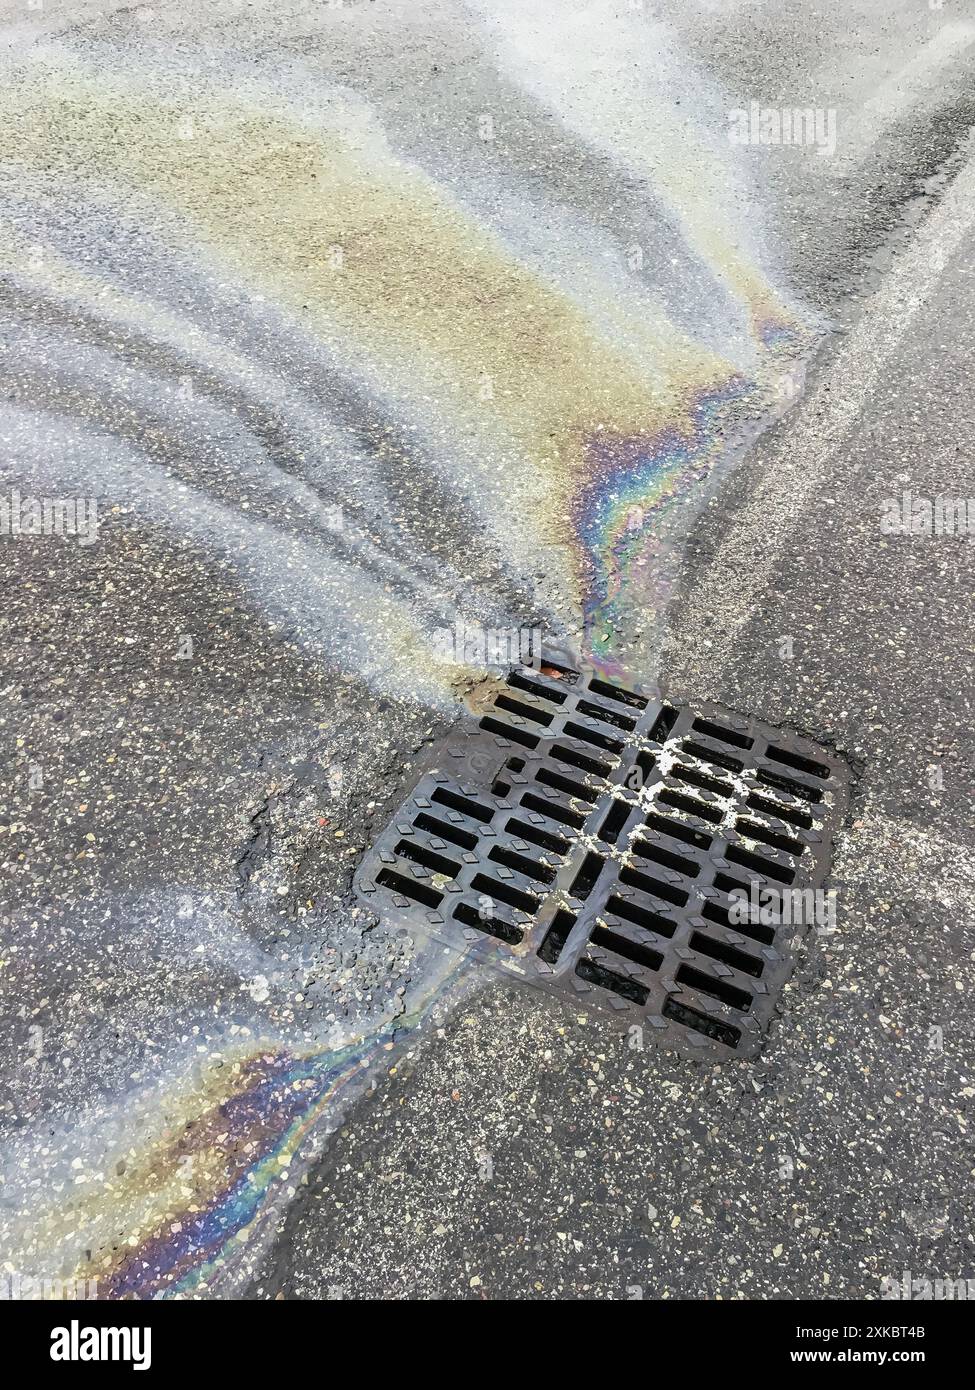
(691, 805)
(533, 687)
(711, 755)
(616, 692)
(557, 935)
(545, 839)
(608, 979)
(463, 804)
(640, 916)
(593, 736)
(608, 716)
(580, 760)
(701, 779)
(521, 864)
(585, 880)
(666, 825)
(789, 785)
(427, 858)
(629, 950)
(490, 925)
(766, 867)
(727, 954)
(776, 838)
(714, 1028)
(409, 888)
(614, 820)
(663, 724)
(507, 892)
(551, 810)
(679, 862)
(798, 761)
(582, 790)
(774, 808)
(446, 831)
(705, 726)
(539, 716)
(727, 993)
(510, 731)
(634, 878)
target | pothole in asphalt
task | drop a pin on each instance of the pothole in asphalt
(655, 861)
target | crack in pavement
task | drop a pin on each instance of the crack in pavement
(802, 451)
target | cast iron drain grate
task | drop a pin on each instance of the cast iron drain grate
(601, 843)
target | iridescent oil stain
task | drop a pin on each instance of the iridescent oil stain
(549, 425)
(392, 274)
(195, 1189)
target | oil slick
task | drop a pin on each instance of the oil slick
(545, 417)
(322, 307)
(178, 1191)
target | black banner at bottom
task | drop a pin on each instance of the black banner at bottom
(227, 1338)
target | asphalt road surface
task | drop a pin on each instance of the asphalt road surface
(349, 324)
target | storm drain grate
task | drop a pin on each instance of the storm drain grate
(655, 861)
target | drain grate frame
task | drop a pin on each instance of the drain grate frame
(586, 837)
